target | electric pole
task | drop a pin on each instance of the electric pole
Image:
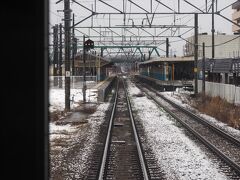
(203, 72)
(213, 30)
(84, 72)
(196, 53)
(55, 55)
(167, 47)
(73, 45)
(67, 16)
(60, 56)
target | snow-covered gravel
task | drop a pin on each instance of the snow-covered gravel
(178, 156)
(71, 146)
(57, 98)
(180, 98)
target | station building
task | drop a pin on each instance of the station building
(225, 70)
(94, 66)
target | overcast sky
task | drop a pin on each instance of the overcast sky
(221, 25)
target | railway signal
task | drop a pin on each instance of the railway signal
(87, 45)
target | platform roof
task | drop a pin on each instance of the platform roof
(91, 60)
(170, 59)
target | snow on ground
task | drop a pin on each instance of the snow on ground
(179, 97)
(62, 131)
(178, 156)
(71, 145)
(69, 158)
(57, 98)
(221, 125)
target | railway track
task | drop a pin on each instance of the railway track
(225, 146)
(120, 154)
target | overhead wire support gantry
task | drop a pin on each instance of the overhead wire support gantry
(109, 35)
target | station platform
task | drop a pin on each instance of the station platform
(104, 87)
(165, 85)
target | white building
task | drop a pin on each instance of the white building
(225, 46)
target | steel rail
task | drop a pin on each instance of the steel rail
(140, 153)
(201, 120)
(107, 143)
(217, 130)
(226, 159)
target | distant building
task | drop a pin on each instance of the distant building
(223, 48)
(236, 16)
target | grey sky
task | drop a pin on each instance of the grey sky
(221, 25)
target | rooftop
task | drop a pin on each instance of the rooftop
(169, 59)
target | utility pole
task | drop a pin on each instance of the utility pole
(67, 16)
(167, 47)
(203, 72)
(102, 52)
(55, 55)
(84, 72)
(73, 45)
(213, 30)
(60, 56)
(196, 53)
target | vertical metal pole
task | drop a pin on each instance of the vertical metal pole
(151, 5)
(55, 55)
(167, 47)
(216, 5)
(203, 71)
(73, 44)
(99, 69)
(95, 6)
(84, 72)
(67, 16)
(213, 30)
(206, 5)
(101, 52)
(196, 53)
(178, 5)
(173, 71)
(60, 56)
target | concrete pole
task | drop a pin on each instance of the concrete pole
(55, 55)
(167, 47)
(203, 71)
(73, 46)
(196, 53)
(60, 56)
(67, 16)
(213, 31)
(84, 72)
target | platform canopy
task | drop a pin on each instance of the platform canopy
(170, 59)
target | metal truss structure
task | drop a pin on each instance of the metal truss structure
(133, 28)
(136, 23)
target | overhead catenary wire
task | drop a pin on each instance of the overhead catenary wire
(211, 46)
(178, 18)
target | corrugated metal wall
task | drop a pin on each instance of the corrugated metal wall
(228, 92)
